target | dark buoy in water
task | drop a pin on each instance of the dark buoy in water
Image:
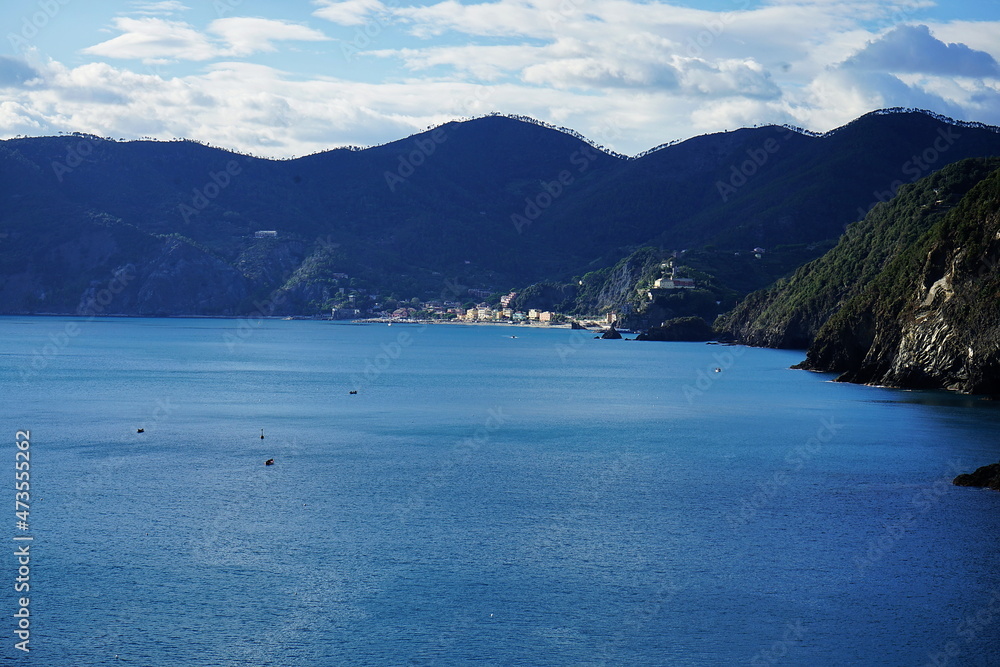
(262, 434)
(140, 430)
(269, 462)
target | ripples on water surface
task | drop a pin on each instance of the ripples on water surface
(547, 499)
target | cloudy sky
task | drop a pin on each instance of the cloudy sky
(282, 78)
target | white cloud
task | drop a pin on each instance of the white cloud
(244, 35)
(155, 40)
(912, 49)
(165, 8)
(627, 73)
(501, 18)
(150, 39)
(480, 62)
(15, 72)
(598, 73)
(978, 35)
(349, 12)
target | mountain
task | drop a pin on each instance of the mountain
(772, 185)
(489, 204)
(908, 297)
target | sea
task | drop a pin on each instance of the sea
(490, 495)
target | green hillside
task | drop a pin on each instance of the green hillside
(909, 297)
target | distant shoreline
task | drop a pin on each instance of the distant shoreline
(526, 325)
(385, 320)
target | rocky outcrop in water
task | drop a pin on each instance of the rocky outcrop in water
(611, 334)
(692, 329)
(985, 477)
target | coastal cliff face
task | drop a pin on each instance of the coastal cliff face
(936, 323)
(909, 298)
(790, 313)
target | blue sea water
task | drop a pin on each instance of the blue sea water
(548, 499)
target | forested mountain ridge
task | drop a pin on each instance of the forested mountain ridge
(490, 204)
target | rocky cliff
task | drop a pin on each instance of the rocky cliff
(932, 318)
(790, 313)
(909, 298)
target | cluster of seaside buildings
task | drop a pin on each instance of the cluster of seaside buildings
(482, 312)
(453, 310)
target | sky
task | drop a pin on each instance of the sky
(285, 78)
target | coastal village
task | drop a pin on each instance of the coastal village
(454, 311)
(483, 312)
(500, 313)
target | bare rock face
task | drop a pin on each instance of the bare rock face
(985, 477)
(946, 334)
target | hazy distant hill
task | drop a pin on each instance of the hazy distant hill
(493, 203)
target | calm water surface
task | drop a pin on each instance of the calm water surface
(548, 499)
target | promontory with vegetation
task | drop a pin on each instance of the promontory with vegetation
(910, 296)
